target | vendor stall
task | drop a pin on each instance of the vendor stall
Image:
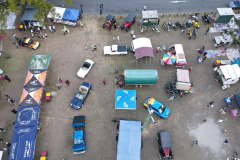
(224, 15)
(65, 16)
(125, 99)
(149, 18)
(129, 141)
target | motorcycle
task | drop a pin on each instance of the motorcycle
(166, 27)
(173, 26)
(156, 28)
(193, 17)
(180, 25)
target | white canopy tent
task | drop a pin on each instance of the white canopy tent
(59, 11)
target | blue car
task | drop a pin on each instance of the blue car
(234, 5)
(81, 95)
(157, 107)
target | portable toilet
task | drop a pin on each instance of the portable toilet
(224, 15)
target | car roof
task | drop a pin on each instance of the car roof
(109, 17)
(130, 17)
(165, 139)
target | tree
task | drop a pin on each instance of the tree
(43, 9)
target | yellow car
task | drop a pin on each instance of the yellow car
(28, 42)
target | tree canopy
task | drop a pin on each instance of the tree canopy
(43, 8)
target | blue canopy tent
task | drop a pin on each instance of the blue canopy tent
(71, 14)
(23, 143)
(125, 99)
(27, 116)
(129, 141)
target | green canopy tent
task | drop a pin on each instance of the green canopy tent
(40, 62)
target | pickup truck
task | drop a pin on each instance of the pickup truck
(79, 145)
(115, 50)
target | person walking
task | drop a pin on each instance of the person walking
(195, 142)
(181, 94)
(58, 85)
(114, 38)
(115, 81)
(53, 28)
(120, 84)
(222, 111)
(182, 32)
(132, 32)
(14, 111)
(104, 81)
(63, 31)
(118, 39)
(116, 70)
(12, 101)
(15, 44)
(211, 104)
(44, 38)
(81, 7)
(14, 37)
(101, 9)
(172, 97)
(60, 81)
(68, 31)
(3, 130)
(67, 82)
(6, 78)
(115, 26)
(7, 144)
(204, 58)
(7, 96)
(226, 141)
(144, 7)
(207, 31)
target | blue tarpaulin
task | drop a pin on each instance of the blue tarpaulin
(23, 143)
(129, 141)
(125, 99)
(27, 116)
(71, 14)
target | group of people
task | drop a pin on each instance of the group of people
(200, 52)
(61, 83)
(65, 30)
(36, 32)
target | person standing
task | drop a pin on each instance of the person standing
(120, 84)
(222, 111)
(181, 94)
(118, 39)
(144, 7)
(14, 111)
(60, 81)
(78, 22)
(204, 58)
(207, 31)
(190, 69)
(81, 6)
(67, 82)
(68, 30)
(132, 32)
(104, 81)
(7, 144)
(12, 101)
(199, 60)
(14, 37)
(116, 70)
(101, 9)
(114, 38)
(7, 96)
(81, 24)
(6, 78)
(195, 142)
(182, 32)
(211, 104)
(116, 81)
(15, 44)
(3, 130)
(226, 141)
(86, 47)
(58, 85)
(53, 28)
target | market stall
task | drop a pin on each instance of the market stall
(125, 99)
(39, 62)
(149, 18)
(224, 15)
(35, 78)
(129, 141)
(31, 96)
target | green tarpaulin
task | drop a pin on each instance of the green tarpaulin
(39, 62)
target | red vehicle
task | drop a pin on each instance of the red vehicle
(164, 145)
(128, 22)
(110, 21)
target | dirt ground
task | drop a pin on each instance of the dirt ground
(185, 122)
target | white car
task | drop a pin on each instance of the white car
(115, 50)
(85, 68)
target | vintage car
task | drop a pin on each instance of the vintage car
(28, 42)
(110, 21)
(157, 107)
(81, 95)
(164, 145)
(129, 21)
(115, 50)
(85, 68)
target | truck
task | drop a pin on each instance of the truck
(228, 74)
(115, 50)
(79, 145)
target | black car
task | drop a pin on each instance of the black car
(164, 145)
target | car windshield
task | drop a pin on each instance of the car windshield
(86, 65)
(162, 109)
(79, 96)
(78, 141)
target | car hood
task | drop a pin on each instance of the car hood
(79, 147)
(35, 44)
(166, 113)
(76, 103)
(82, 73)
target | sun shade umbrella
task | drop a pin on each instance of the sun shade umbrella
(31, 96)
(40, 62)
(169, 58)
(35, 78)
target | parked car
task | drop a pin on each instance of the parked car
(234, 5)
(115, 50)
(28, 42)
(129, 21)
(85, 68)
(164, 145)
(81, 95)
(157, 107)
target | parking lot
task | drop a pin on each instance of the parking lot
(185, 122)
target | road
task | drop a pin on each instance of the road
(136, 6)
